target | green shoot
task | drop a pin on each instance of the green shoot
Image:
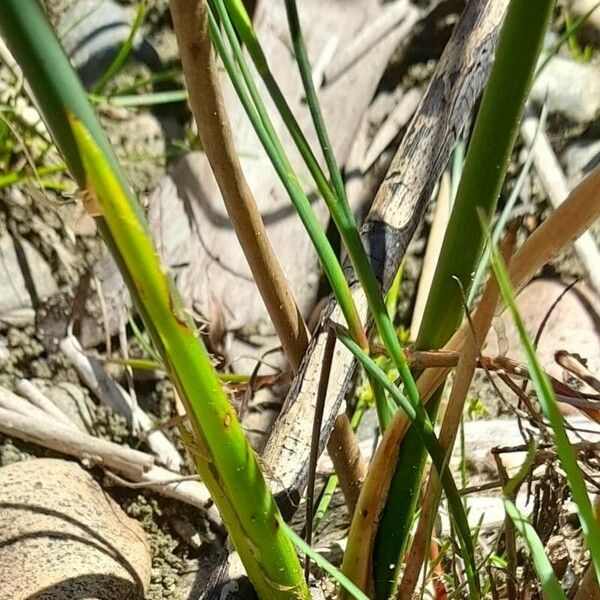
(550, 584)
(324, 564)
(336, 198)
(123, 54)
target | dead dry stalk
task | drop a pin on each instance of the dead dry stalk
(574, 216)
(190, 21)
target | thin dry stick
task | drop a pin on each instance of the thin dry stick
(465, 370)
(316, 434)
(20, 419)
(37, 398)
(347, 460)
(206, 100)
(568, 222)
(573, 364)
(555, 184)
(109, 392)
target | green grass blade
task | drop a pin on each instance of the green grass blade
(222, 455)
(123, 54)
(137, 100)
(237, 12)
(547, 400)
(313, 100)
(256, 111)
(325, 564)
(424, 428)
(485, 165)
(336, 199)
(550, 584)
(570, 30)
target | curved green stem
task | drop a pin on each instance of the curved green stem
(334, 198)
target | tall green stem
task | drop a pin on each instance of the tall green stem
(334, 198)
(485, 166)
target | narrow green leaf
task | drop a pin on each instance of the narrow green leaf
(251, 100)
(334, 195)
(325, 564)
(494, 133)
(547, 400)
(124, 51)
(221, 451)
(550, 584)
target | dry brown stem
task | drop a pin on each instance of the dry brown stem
(206, 100)
(563, 226)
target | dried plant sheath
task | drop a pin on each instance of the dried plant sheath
(568, 222)
(201, 75)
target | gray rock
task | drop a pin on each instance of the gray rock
(62, 537)
(570, 88)
(25, 277)
(580, 158)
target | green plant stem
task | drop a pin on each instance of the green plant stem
(17, 176)
(313, 101)
(259, 118)
(487, 157)
(137, 100)
(336, 198)
(424, 428)
(123, 54)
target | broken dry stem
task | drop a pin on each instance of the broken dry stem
(574, 216)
